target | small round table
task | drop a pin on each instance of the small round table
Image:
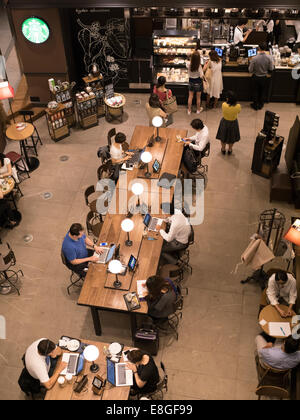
(8, 186)
(115, 111)
(270, 314)
(12, 133)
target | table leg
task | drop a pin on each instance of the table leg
(96, 321)
(133, 324)
(31, 161)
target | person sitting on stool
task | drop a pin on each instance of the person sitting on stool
(198, 141)
(282, 289)
(161, 297)
(281, 356)
(75, 250)
(145, 372)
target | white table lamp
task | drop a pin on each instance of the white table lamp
(127, 225)
(157, 122)
(115, 267)
(146, 157)
(91, 354)
(137, 189)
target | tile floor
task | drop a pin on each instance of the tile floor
(213, 358)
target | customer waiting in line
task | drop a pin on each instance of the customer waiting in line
(75, 250)
(161, 297)
(260, 66)
(229, 131)
(199, 140)
(216, 80)
(163, 93)
(145, 372)
(195, 73)
(41, 361)
(117, 153)
(281, 356)
(282, 289)
(154, 109)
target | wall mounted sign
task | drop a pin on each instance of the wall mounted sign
(35, 30)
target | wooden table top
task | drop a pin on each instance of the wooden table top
(8, 186)
(111, 392)
(270, 314)
(93, 292)
(18, 135)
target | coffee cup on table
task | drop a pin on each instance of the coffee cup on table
(61, 381)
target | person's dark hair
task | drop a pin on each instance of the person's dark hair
(154, 101)
(197, 124)
(242, 21)
(2, 157)
(120, 138)
(135, 356)
(75, 229)
(214, 56)
(263, 46)
(231, 98)
(195, 61)
(154, 285)
(291, 345)
(161, 81)
(281, 275)
(46, 347)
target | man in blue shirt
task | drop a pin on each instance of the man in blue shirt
(75, 250)
(287, 356)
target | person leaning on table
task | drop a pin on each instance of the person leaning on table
(41, 360)
(281, 356)
(282, 290)
(145, 372)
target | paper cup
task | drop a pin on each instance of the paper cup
(61, 381)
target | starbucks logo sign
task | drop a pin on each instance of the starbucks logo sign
(35, 30)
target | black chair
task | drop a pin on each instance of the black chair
(182, 257)
(94, 223)
(201, 172)
(162, 385)
(19, 163)
(9, 277)
(105, 170)
(78, 277)
(27, 117)
(175, 273)
(92, 204)
(110, 134)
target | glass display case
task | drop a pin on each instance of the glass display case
(171, 51)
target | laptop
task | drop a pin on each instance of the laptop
(118, 374)
(106, 256)
(151, 222)
(136, 157)
(72, 360)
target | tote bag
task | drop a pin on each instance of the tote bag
(170, 105)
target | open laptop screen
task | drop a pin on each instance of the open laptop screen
(111, 372)
(147, 219)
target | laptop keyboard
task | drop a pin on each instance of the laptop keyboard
(153, 223)
(72, 364)
(103, 256)
(122, 374)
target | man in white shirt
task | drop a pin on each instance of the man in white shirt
(199, 140)
(39, 362)
(239, 37)
(282, 289)
(178, 236)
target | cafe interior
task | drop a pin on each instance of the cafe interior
(74, 75)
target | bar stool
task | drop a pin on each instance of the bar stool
(35, 137)
(8, 260)
(17, 160)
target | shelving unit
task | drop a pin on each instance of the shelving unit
(87, 111)
(57, 122)
(64, 96)
(97, 87)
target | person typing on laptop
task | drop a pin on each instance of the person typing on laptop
(75, 249)
(145, 372)
(41, 361)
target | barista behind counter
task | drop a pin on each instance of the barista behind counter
(239, 37)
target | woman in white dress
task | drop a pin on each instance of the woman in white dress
(216, 80)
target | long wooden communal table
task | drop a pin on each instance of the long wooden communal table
(97, 292)
(111, 392)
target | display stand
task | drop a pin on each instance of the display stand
(96, 84)
(114, 111)
(87, 111)
(57, 122)
(64, 96)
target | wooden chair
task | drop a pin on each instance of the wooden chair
(94, 224)
(92, 204)
(272, 382)
(110, 134)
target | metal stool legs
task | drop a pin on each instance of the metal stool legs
(5, 278)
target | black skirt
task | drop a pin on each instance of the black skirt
(228, 131)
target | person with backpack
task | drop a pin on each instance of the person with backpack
(228, 131)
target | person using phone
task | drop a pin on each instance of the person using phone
(199, 140)
(75, 249)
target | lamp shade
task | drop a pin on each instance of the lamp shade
(127, 225)
(157, 121)
(137, 188)
(91, 353)
(146, 157)
(115, 266)
(293, 234)
(6, 91)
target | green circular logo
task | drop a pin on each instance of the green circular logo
(35, 30)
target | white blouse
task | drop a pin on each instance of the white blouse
(116, 151)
